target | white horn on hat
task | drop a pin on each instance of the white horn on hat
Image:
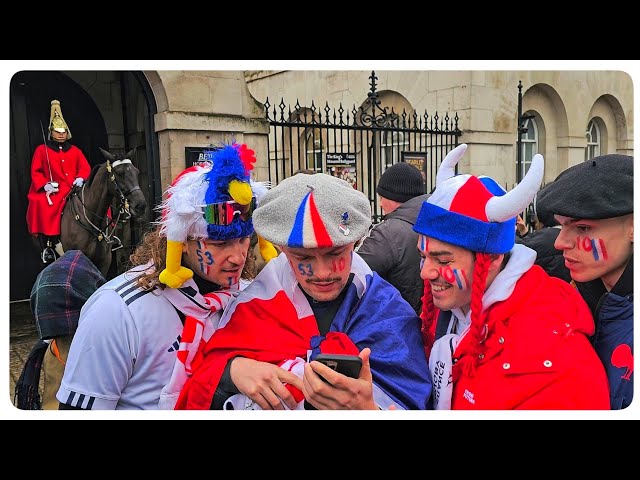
(515, 201)
(447, 167)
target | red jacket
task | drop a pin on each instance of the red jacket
(534, 357)
(67, 164)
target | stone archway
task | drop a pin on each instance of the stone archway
(103, 110)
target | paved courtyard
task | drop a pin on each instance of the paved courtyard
(22, 336)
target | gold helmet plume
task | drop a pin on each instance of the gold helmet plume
(56, 120)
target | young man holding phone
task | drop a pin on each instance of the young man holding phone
(317, 297)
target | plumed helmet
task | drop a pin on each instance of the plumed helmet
(56, 120)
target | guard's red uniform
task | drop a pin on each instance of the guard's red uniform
(67, 163)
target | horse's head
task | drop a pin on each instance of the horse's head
(125, 183)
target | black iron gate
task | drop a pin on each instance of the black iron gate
(358, 145)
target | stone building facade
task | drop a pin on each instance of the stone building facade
(166, 114)
(569, 114)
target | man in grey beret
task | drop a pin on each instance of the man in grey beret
(317, 296)
(593, 201)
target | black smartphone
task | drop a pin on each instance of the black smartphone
(348, 365)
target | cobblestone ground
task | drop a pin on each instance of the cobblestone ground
(22, 337)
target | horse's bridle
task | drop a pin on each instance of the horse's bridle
(124, 202)
(124, 209)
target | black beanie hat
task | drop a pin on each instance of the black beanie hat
(401, 182)
(598, 188)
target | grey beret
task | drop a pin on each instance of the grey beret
(598, 188)
(313, 211)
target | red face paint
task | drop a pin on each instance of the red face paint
(594, 245)
(455, 277)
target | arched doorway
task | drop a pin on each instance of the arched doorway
(111, 110)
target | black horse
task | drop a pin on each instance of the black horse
(85, 224)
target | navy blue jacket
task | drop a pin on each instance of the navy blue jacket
(613, 339)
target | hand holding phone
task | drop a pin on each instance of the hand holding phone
(348, 365)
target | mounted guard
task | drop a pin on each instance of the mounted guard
(56, 167)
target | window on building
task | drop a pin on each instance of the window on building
(593, 141)
(529, 144)
(314, 148)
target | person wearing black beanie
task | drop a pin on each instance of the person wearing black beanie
(390, 247)
(401, 182)
(593, 202)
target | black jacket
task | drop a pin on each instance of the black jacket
(550, 259)
(390, 249)
(613, 339)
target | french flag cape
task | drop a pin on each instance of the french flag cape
(271, 321)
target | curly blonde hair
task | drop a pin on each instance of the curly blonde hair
(154, 248)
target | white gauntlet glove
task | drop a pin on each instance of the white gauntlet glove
(51, 187)
(78, 182)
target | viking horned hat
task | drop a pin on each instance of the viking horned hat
(475, 212)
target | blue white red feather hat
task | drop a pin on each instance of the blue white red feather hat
(184, 209)
(213, 201)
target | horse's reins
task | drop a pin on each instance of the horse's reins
(124, 209)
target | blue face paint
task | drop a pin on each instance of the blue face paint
(423, 248)
(305, 269)
(205, 258)
(200, 260)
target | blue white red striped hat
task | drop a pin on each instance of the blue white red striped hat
(313, 211)
(475, 212)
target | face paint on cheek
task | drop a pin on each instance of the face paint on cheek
(305, 269)
(200, 259)
(447, 274)
(205, 258)
(339, 264)
(424, 243)
(455, 277)
(461, 279)
(594, 245)
(599, 250)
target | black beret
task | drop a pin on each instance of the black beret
(544, 216)
(598, 188)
